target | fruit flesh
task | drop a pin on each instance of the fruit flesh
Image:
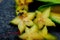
(34, 32)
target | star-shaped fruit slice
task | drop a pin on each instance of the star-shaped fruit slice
(16, 20)
(22, 4)
(21, 26)
(35, 34)
(26, 17)
(31, 33)
(43, 18)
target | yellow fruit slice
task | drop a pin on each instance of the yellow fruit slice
(15, 21)
(49, 22)
(44, 30)
(31, 15)
(50, 37)
(28, 22)
(21, 26)
(23, 36)
(46, 12)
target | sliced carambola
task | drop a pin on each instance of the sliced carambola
(22, 5)
(29, 38)
(30, 32)
(39, 22)
(21, 26)
(28, 22)
(44, 31)
(34, 28)
(49, 22)
(23, 1)
(43, 18)
(50, 37)
(15, 21)
(31, 15)
(46, 12)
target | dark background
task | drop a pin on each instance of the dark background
(7, 13)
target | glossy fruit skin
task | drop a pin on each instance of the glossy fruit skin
(43, 7)
(51, 1)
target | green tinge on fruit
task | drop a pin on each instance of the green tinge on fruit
(15, 21)
(44, 7)
(50, 37)
(55, 17)
(49, 22)
(46, 12)
(53, 1)
(44, 30)
(55, 20)
(54, 8)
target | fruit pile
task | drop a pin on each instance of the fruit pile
(33, 25)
